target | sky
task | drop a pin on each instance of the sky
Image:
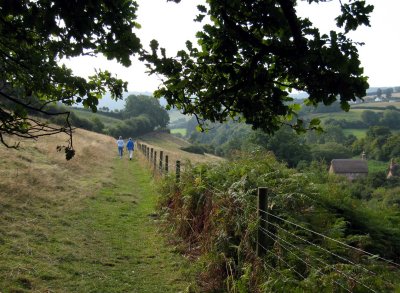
(172, 24)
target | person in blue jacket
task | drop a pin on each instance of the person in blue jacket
(130, 146)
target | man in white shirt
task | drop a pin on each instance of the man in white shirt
(120, 143)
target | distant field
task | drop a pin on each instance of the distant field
(181, 131)
(355, 111)
(359, 133)
(377, 105)
(352, 115)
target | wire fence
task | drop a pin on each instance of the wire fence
(273, 233)
(160, 161)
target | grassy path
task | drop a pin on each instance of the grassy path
(109, 242)
(132, 256)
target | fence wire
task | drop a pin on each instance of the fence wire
(154, 161)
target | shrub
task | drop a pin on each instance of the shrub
(213, 210)
(195, 149)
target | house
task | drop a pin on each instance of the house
(349, 168)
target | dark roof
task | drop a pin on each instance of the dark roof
(349, 166)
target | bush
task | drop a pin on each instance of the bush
(195, 149)
(213, 210)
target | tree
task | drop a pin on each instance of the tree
(330, 151)
(104, 109)
(391, 119)
(375, 140)
(379, 92)
(253, 54)
(370, 118)
(136, 105)
(285, 144)
(34, 36)
(388, 92)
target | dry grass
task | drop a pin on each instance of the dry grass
(36, 169)
(77, 226)
(171, 145)
(37, 186)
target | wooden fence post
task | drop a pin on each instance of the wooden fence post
(161, 161)
(178, 171)
(166, 164)
(148, 153)
(151, 154)
(262, 207)
(155, 160)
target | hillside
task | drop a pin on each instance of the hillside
(172, 145)
(81, 225)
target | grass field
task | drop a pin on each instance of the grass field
(352, 115)
(382, 105)
(181, 131)
(359, 133)
(85, 225)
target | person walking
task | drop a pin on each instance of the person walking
(130, 146)
(120, 144)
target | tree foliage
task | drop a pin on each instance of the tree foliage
(136, 105)
(142, 114)
(35, 36)
(250, 56)
(370, 118)
(253, 54)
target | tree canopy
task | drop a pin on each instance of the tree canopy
(249, 57)
(35, 36)
(137, 105)
(253, 54)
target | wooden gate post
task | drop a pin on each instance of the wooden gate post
(262, 205)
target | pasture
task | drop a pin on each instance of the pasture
(181, 131)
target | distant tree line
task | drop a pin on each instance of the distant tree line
(141, 114)
(299, 151)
